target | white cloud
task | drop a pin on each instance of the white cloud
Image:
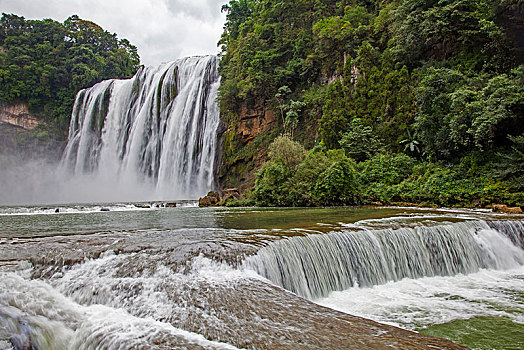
(163, 30)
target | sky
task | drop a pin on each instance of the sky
(162, 30)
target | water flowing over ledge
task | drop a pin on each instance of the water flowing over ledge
(155, 134)
(175, 278)
(315, 265)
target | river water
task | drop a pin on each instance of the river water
(120, 276)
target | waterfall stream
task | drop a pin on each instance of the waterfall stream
(312, 266)
(156, 131)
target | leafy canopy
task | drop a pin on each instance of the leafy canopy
(45, 63)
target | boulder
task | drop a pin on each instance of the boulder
(213, 194)
(211, 199)
(204, 202)
(503, 208)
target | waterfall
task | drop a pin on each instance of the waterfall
(513, 229)
(157, 130)
(312, 266)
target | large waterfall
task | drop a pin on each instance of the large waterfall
(312, 266)
(156, 132)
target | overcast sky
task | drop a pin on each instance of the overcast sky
(163, 30)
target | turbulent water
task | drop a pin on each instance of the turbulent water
(315, 265)
(193, 278)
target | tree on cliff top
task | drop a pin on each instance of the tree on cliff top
(45, 63)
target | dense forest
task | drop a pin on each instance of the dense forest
(377, 101)
(45, 63)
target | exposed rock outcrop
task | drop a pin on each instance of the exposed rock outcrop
(502, 208)
(249, 132)
(254, 121)
(18, 115)
(230, 194)
(20, 143)
(213, 198)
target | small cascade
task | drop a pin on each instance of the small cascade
(157, 130)
(312, 266)
(514, 230)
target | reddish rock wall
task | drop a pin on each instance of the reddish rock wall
(253, 122)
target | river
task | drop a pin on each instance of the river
(120, 276)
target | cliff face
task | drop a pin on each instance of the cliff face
(254, 122)
(249, 132)
(511, 17)
(18, 115)
(23, 136)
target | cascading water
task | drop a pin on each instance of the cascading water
(156, 132)
(312, 266)
(169, 279)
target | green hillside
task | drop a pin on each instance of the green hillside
(45, 63)
(378, 101)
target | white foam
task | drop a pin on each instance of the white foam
(68, 209)
(412, 303)
(34, 310)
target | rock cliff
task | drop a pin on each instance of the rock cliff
(18, 115)
(249, 131)
(511, 17)
(23, 136)
(254, 121)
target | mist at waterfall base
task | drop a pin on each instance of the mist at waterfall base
(152, 137)
(37, 182)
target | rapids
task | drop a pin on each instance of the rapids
(209, 278)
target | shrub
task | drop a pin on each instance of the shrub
(386, 168)
(337, 184)
(286, 151)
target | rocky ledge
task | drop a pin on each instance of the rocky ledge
(18, 115)
(213, 198)
(502, 208)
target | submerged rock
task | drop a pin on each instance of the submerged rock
(142, 206)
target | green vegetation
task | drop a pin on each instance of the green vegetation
(295, 177)
(45, 63)
(397, 101)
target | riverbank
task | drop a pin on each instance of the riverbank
(232, 198)
(295, 177)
